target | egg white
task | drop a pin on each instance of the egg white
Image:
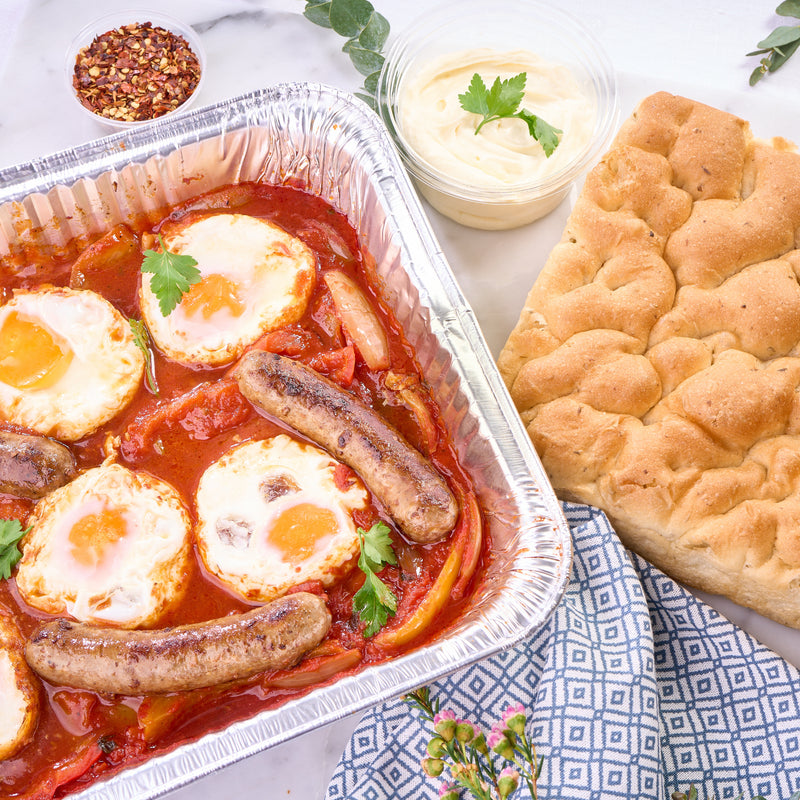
(241, 496)
(272, 272)
(102, 377)
(136, 578)
(19, 710)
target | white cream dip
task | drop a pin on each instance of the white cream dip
(503, 153)
(503, 156)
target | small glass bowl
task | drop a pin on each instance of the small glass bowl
(115, 20)
(502, 26)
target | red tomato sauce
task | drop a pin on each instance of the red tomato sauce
(196, 417)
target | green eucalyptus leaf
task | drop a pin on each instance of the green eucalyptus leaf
(785, 34)
(371, 81)
(318, 12)
(368, 99)
(350, 17)
(365, 61)
(782, 55)
(375, 33)
(365, 32)
(789, 8)
(757, 74)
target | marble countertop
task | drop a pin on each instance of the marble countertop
(677, 45)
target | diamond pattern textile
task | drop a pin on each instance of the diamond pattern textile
(635, 689)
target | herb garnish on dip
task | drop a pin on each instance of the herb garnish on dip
(442, 132)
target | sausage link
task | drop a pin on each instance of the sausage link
(32, 466)
(413, 492)
(114, 661)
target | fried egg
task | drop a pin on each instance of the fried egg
(275, 513)
(255, 277)
(111, 548)
(68, 362)
(19, 711)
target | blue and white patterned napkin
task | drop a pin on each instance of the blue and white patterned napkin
(635, 689)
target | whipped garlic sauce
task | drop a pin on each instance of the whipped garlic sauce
(503, 154)
(474, 178)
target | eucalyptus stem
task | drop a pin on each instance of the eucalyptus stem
(365, 32)
(780, 45)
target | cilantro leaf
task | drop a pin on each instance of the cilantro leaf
(376, 547)
(475, 99)
(374, 601)
(141, 338)
(543, 132)
(173, 274)
(11, 532)
(502, 101)
(505, 96)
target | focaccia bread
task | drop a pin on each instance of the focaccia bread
(656, 363)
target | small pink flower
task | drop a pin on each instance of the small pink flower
(433, 767)
(479, 743)
(509, 771)
(465, 730)
(436, 747)
(499, 743)
(514, 718)
(494, 738)
(444, 724)
(507, 781)
(448, 791)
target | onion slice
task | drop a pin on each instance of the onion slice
(359, 320)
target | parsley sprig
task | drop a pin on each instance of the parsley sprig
(173, 274)
(374, 601)
(365, 31)
(141, 338)
(11, 531)
(502, 101)
(780, 45)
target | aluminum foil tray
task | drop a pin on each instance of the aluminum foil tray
(335, 147)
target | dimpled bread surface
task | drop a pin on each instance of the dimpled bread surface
(656, 362)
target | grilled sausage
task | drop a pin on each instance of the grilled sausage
(32, 466)
(413, 492)
(115, 661)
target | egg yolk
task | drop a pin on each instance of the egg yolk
(212, 294)
(30, 357)
(298, 529)
(94, 534)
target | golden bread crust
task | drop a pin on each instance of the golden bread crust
(656, 363)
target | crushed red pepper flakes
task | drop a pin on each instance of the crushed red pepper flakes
(135, 73)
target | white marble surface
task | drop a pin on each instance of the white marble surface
(678, 45)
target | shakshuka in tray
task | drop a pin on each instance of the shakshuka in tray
(239, 465)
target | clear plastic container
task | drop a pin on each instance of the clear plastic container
(502, 26)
